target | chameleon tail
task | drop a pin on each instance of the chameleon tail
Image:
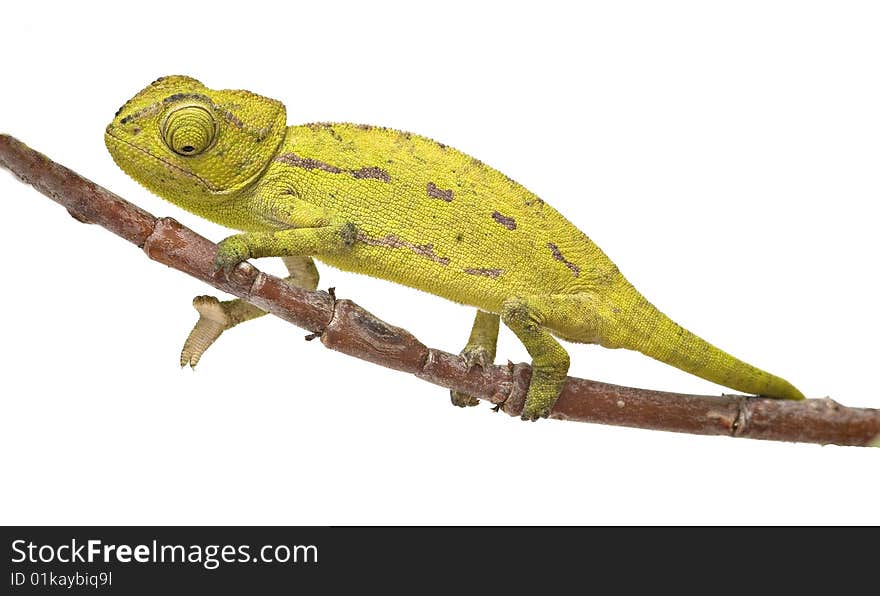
(641, 327)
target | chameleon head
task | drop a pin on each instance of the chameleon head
(190, 144)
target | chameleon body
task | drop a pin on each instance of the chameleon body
(402, 207)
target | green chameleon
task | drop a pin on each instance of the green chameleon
(401, 207)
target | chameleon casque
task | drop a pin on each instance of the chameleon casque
(401, 207)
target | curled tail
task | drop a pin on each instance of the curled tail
(641, 327)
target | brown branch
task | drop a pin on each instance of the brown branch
(346, 327)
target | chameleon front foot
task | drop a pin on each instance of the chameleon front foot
(524, 316)
(472, 356)
(230, 253)
(215, 317)
(213, 320)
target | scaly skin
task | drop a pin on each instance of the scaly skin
(401, 207)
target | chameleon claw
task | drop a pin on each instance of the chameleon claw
(476, 356)
(462, 400)
(225, 268)
(472, 356)
(535, 409)
(534, 416)
(311, 336)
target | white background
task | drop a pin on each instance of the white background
(725, 155)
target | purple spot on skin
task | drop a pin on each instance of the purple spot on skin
(394, 241)
(557, 254)
(307, 163)
(493, 273)
(507, 222)
(372, 172)
(233, 119)
(439, 193)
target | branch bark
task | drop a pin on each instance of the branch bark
(346, 327)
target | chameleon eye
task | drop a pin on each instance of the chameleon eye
(189, 130)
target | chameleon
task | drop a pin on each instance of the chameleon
(404, 208)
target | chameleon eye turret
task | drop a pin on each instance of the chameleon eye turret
(189, 130)
(195, 146)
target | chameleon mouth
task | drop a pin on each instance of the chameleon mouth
(109, 133)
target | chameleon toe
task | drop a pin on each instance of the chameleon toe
(477, 356)
(463, 400)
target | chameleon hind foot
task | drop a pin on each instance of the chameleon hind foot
(472, 356)
(525, 317)
(543, 392)
(479, 351)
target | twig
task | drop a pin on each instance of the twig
(344, 326)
